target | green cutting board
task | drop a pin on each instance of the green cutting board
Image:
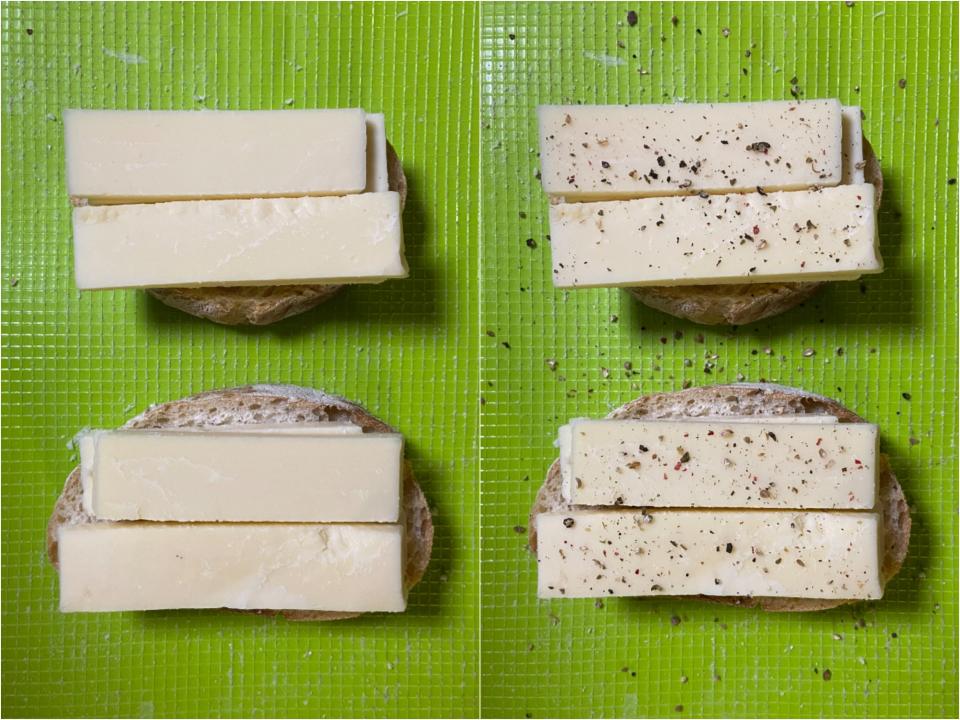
(407, 350)
(897, 333)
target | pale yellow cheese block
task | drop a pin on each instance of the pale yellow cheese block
(131, 156)
(853, 158)
(827, 234)
(377, 176)
(277, 241)
(261, 476)
(591, 152)
(767, 463)
(108, 567)
(726, 553)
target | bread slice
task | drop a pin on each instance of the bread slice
(742, 304)
(760, 400)
(266, 404)
(244, 305)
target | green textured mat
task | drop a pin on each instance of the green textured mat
(405, 349)
(408, 350)
(898, 332)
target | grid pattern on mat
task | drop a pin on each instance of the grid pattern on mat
(886, 347)
(405, 349)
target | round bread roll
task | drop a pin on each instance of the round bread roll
(266, 404)
(251, 305)
(747, 303)
(761, 400)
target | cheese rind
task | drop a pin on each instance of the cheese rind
(280, 241)
(592, 152)
(300, 428)
(807, 419)
(766, 463)
(829, 555)
(852, 146)
(827, 234)
(377, 176)
(234, 476)
(149, 155)
(156, 566)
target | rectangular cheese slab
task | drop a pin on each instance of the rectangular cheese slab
(278, 241)
(136, 156)
(108, 567)
(377, 176)
(827, 234)
(87, 443)
(235, 476)
(766, 463)
(741, 553)
(853, 163)
(593, 152)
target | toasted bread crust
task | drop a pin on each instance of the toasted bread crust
(244, 305)
(760, 400)
(742, 304)
(254, 405)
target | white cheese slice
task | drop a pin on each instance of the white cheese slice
(233, 476)
(108, 567)
(760, 463)
(852, 146)
(87, 445)
(828, 234)
(133, 156)
(741, 553)
(278, 241)
(377, 177)
(593, 152)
